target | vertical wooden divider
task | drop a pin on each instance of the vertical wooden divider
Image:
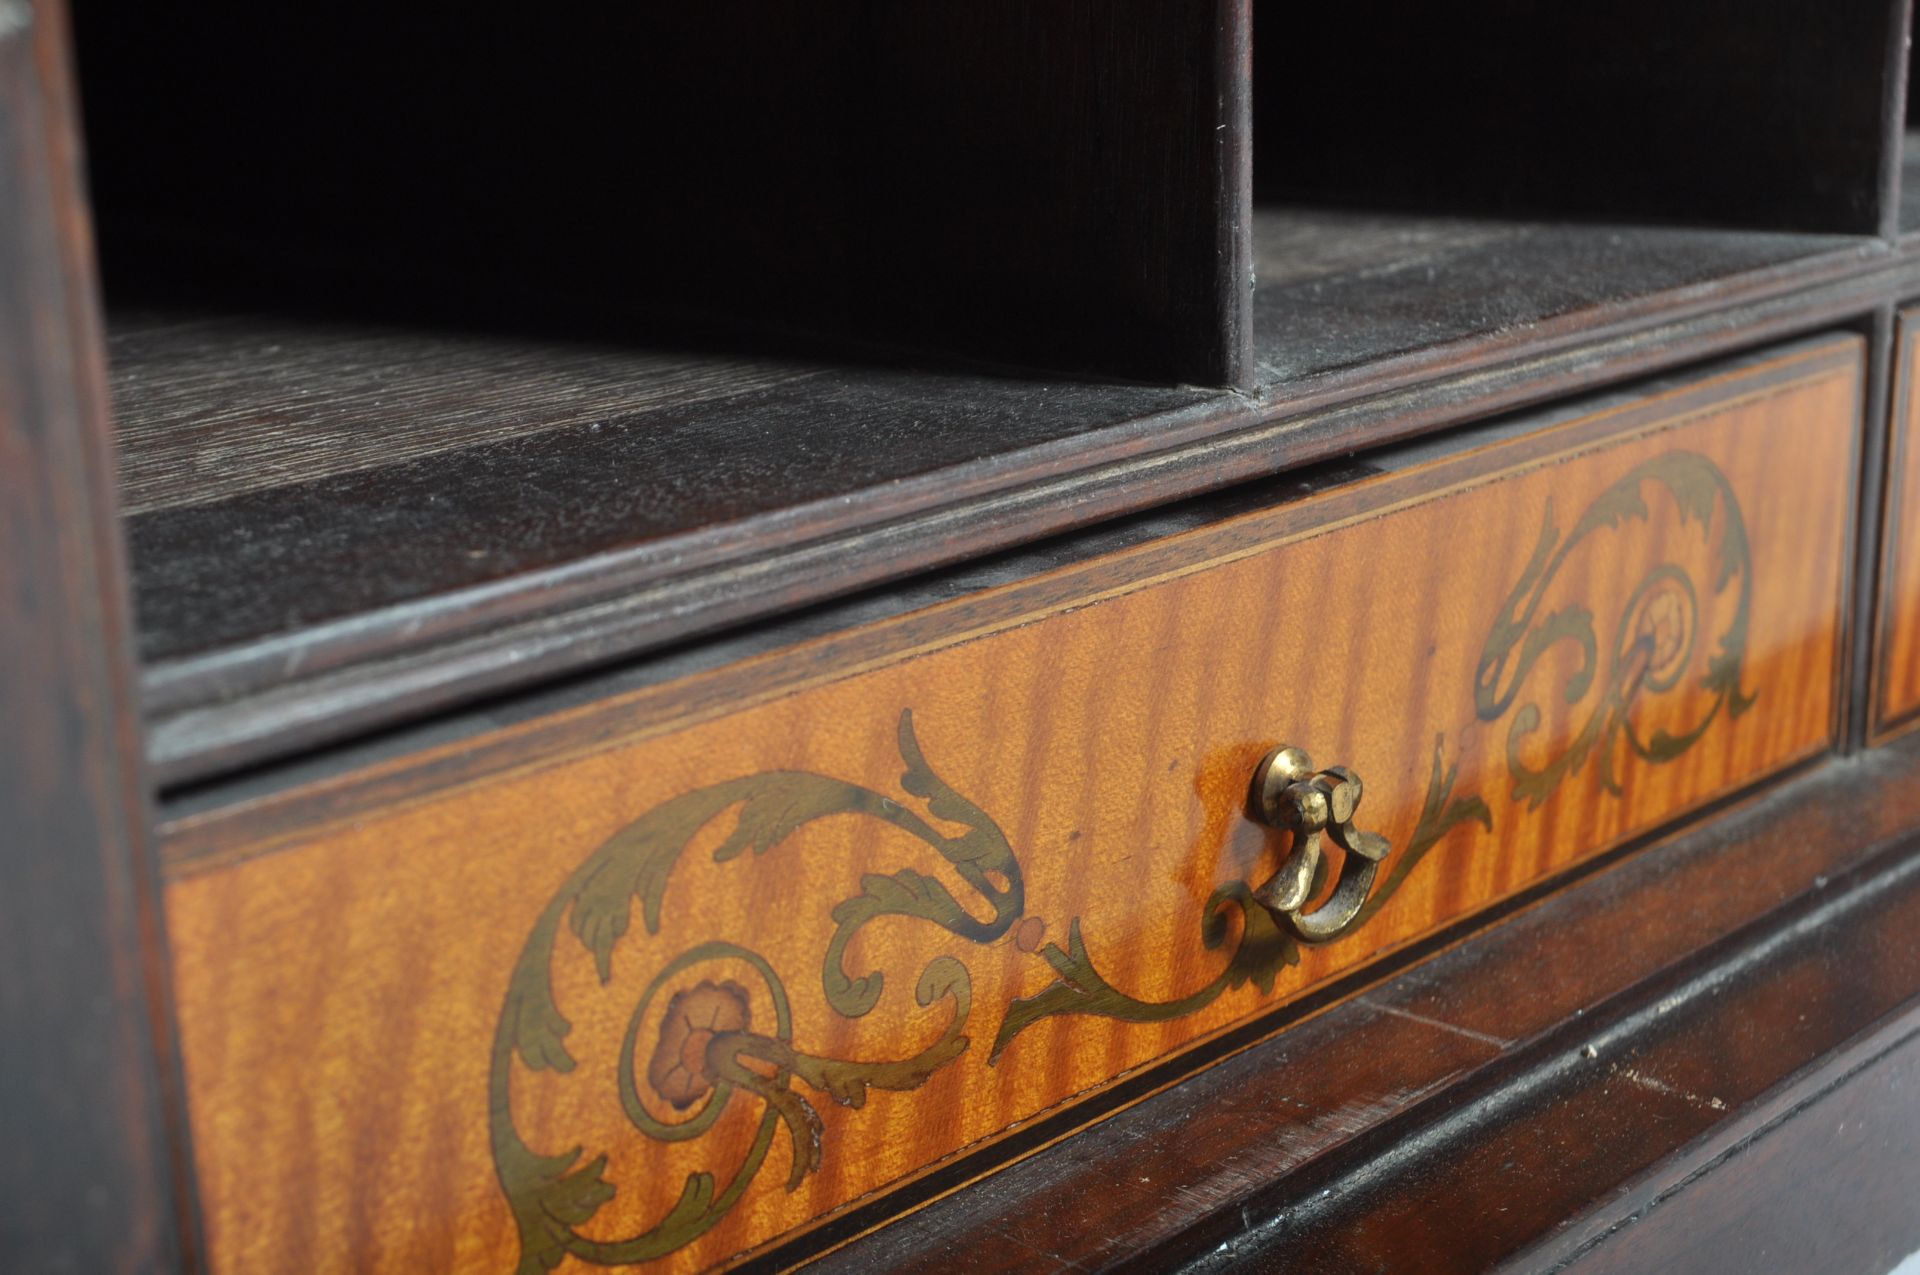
(90, 1151)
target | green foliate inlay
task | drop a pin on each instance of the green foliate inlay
(708, 1052)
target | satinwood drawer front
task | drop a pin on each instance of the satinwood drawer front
(673, 977)
(1897, 647)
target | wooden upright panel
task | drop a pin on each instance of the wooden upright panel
(1896, 695)
(86, 1182)
(673, 977)
(1777, 115)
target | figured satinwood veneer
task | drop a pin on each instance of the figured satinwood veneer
(1896, 671)
(672, 977)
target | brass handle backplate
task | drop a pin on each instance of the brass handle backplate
(1290, 795)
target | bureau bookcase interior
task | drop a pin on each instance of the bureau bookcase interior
(626, 443)
(564, 333)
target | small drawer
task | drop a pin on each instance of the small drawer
(1896, 670)
(675, 977)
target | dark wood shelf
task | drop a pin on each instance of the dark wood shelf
(337, 526)
(270, 463)
(1339, 289)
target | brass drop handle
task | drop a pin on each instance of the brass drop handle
(1290, 795)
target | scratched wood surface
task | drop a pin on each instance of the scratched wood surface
(1899, 663)
(671, 994)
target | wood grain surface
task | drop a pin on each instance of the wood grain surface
(1711, 1121)
(1851, 1139)
(1898, 666)
(90, 1107)
(674, 991)
(1363, 289)
(1719, 1118)
(1457, 1050)
(263, 634)
(211, 406)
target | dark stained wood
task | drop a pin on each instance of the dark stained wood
(209, 407)
(1419, 287)
(459, 479)
(1894, 676)
(470, 458)
(1058, 184)
(265, 635)
(1896, 61)
(1910, 184)
(1638, 111)
(1069, 179)
(1614, 1113)
(89, 1167)
(1868, 533)
(1160, 1163)
(1473, 1041)
(1829, 1187)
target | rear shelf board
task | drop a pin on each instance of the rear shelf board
(342, 471)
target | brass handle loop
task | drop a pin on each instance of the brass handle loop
(1290, 795)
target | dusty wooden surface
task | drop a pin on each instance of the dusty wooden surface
(1828, 1186)
(513, 559)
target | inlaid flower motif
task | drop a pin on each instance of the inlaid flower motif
(695, 1015)
(1666, 623)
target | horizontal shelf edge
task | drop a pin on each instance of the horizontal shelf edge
(240, 706)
